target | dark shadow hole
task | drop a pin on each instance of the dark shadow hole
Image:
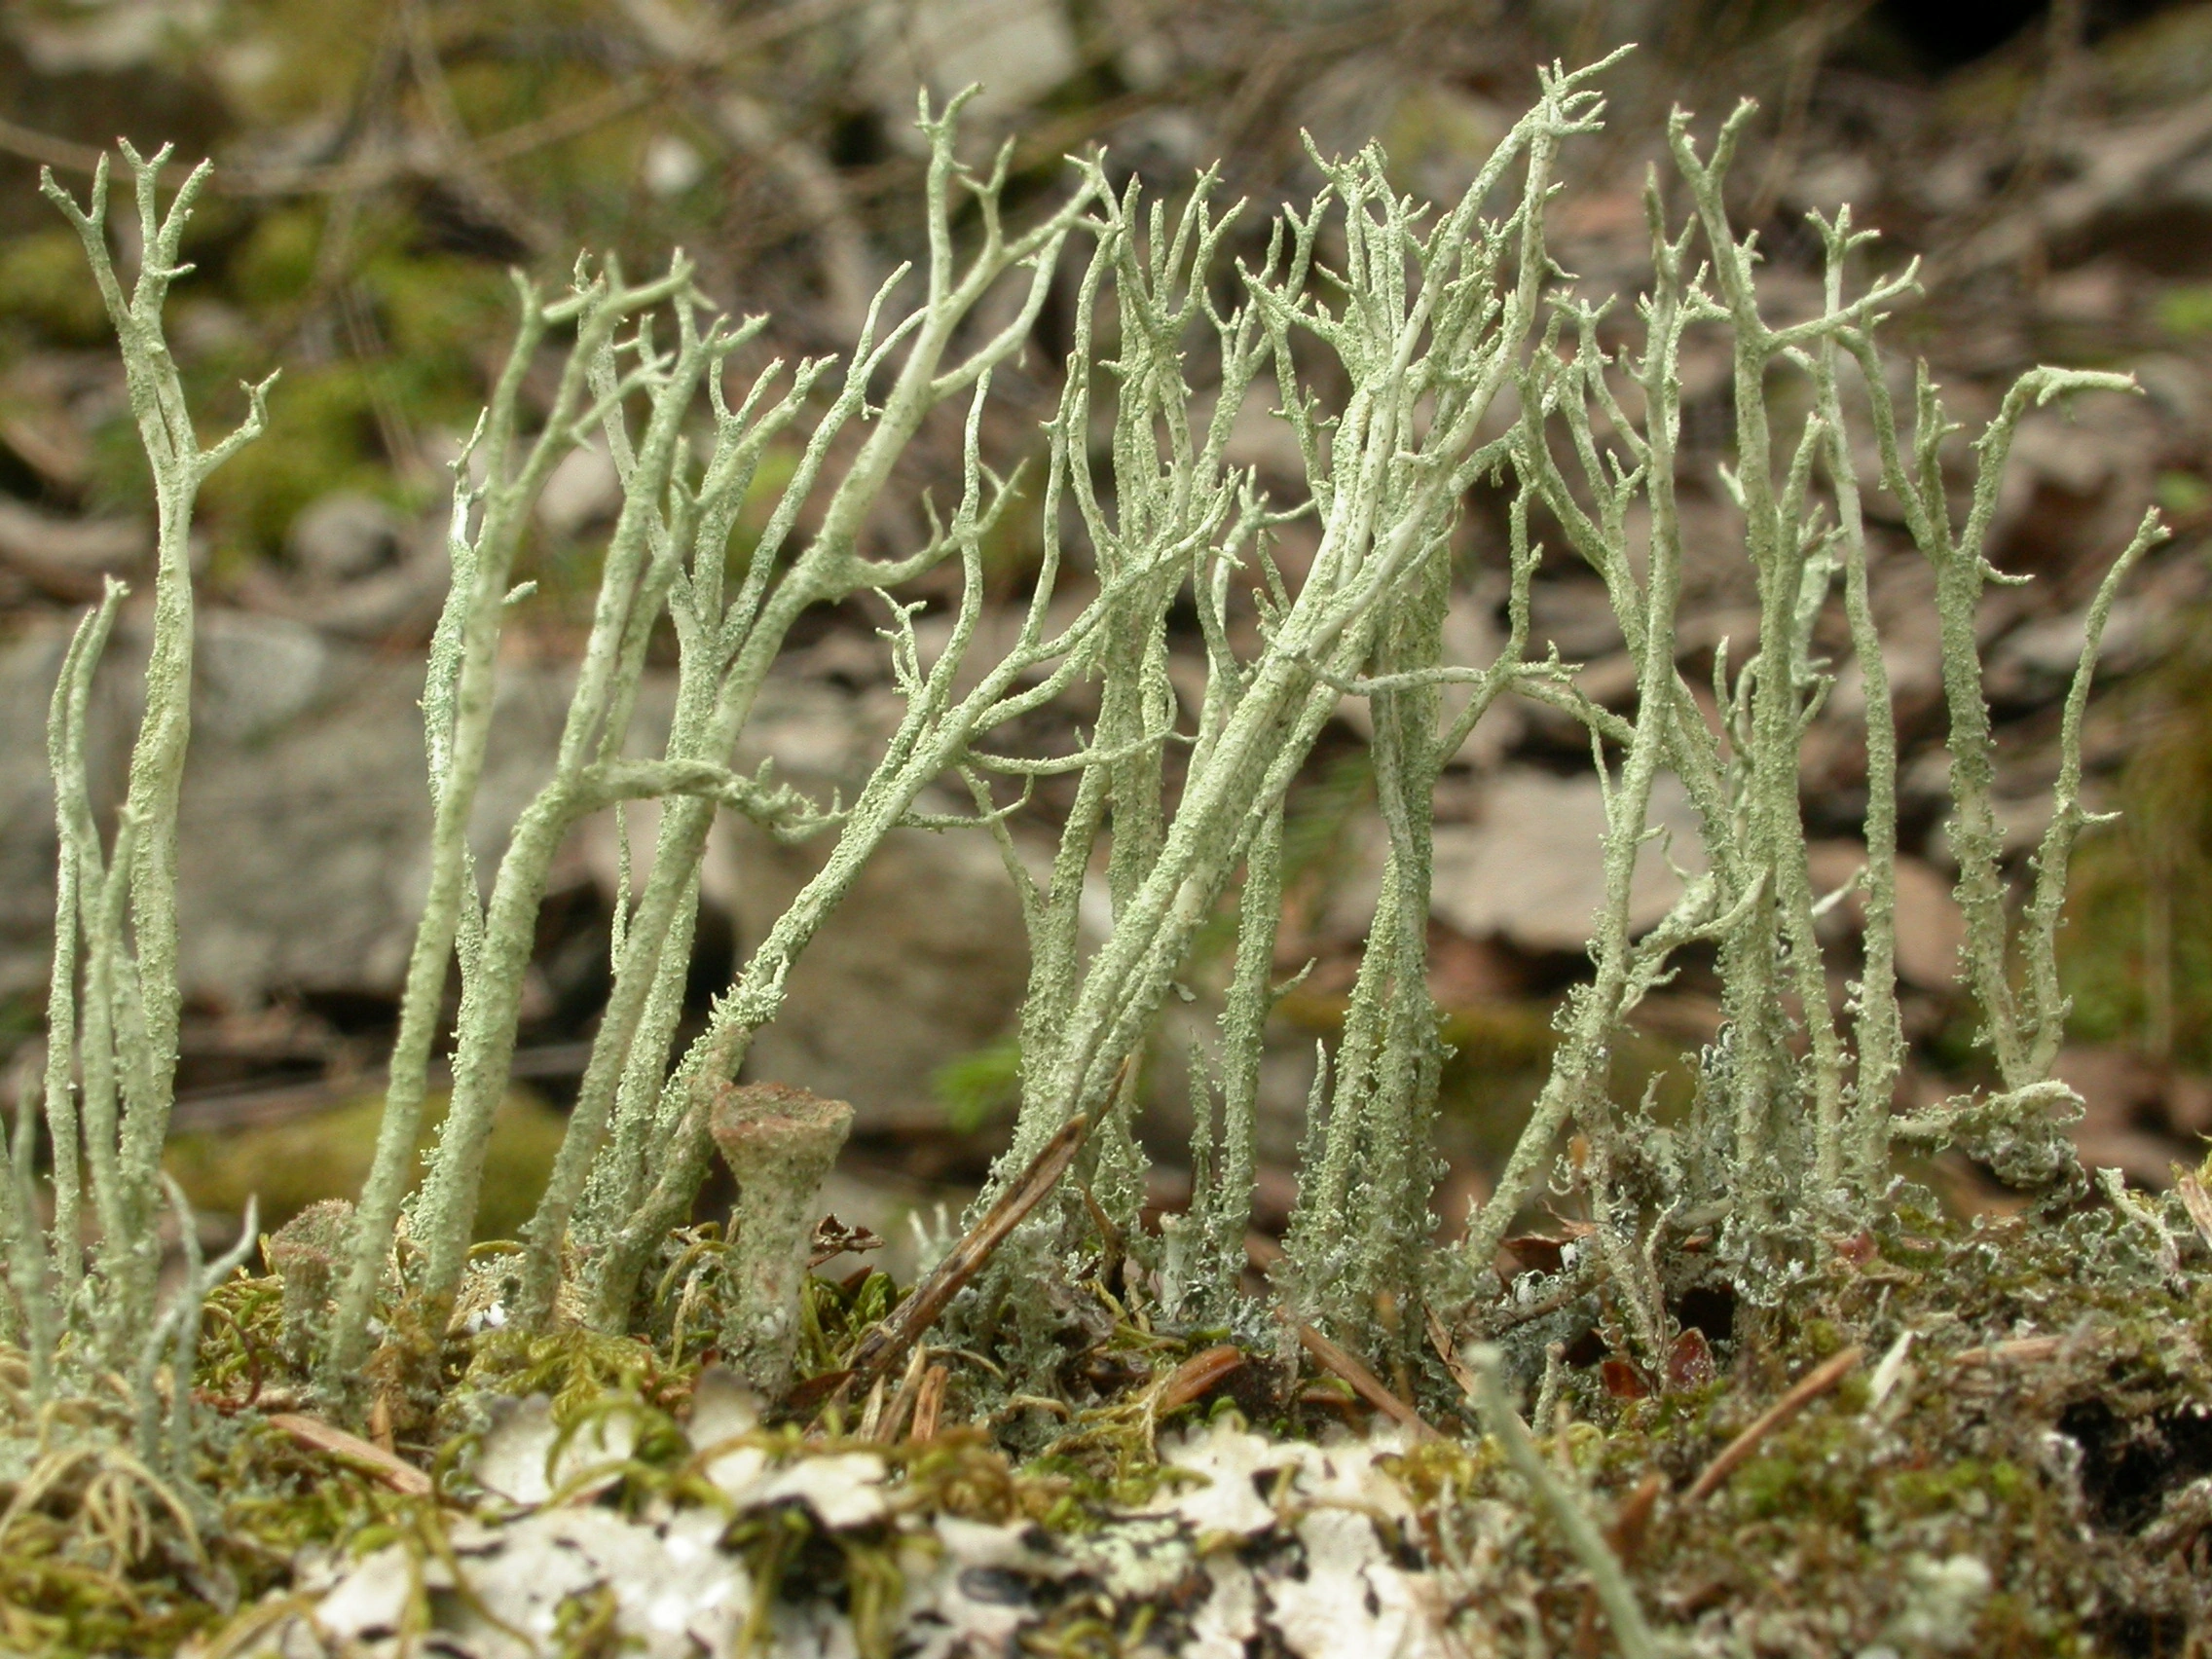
(2129, 1466)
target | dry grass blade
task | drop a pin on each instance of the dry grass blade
(909, 1391)
(2195, 1201)
(1440, 1340)
(872, 1415)
(2019, 1350)
(372, 1460)
(880, 1349)
(929, 1403)
(1365, 1384)
(1808, 1388)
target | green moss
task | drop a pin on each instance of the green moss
(43, 285)
(274, 263)
(980, 1086)
(293, 1165)
(326, 441)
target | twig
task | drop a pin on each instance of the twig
(371, 1460)
(1808, 1388)
(1365, 1384)
(908, 1396)
(1440, 1340)
(17, 139)
(881, 1347)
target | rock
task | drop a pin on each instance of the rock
(68, 558)
(1015, 50)
(303, 834)
(304, 826)
(1930, 926)
(891, 990)
(28, 665)
(345, 535)
(254, 674)
(2138, 1114)
(582, 489)
(304, 847)
(1575, 614)
(1259, 438)
(925, 960)
(1530, 871)
(2038, 658)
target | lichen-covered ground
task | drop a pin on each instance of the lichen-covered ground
(2004, 1446)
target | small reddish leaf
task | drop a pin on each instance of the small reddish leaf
(1689, 1362)
(1623, 1380)
(1857, 1249)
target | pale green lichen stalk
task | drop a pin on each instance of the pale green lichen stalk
(112, 1008)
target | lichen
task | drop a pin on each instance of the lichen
(1780, 1402)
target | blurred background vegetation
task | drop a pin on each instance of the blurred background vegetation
(381, 166)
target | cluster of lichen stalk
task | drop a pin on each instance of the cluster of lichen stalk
(1462, 360)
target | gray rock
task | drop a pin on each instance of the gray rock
(1931, 929)
(255, 674)
(924, 962)
(304, 847)
(28, 665)
(1531, 871)
(1017, 50)
(69, 557)
(304, 829)
(582, 489)
(345, 535)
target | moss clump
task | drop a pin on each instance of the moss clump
(2012, 1468)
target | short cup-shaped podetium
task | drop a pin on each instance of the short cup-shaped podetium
(780, 1143)
(304, 1254)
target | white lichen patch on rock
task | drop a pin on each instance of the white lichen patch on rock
(1299, 1547)
(511, 1590)
(525, 1458)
